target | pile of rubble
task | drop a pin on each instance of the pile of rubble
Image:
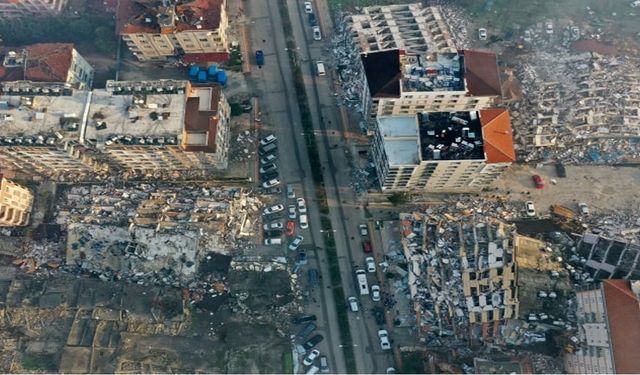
(582, 110)
(347, 60)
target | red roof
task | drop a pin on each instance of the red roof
(141, 16)
(203, 58)
(623, 314)
(481, 73)
(498, 135)
(45, 62)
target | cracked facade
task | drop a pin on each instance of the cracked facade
(15, 204)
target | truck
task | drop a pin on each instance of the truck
(259, 57)
(361, 275)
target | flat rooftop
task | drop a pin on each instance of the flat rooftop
(401, 141)
(433, 72)
(450, 136)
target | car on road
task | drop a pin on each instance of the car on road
(302, 205)
(391, 370)
(383, 335)
(259, 57)
(312, 20)
(375, 293)
(584, 208)
(307, 7)
(531, 209)
(537, 181)
(304, 318)
(292, 211)
(371, 264)
(324, 364)
(366, 247)
(314, 278)
(273, 241)
(296, 243)
(273, 225)
(273, 209)
(304, 221)
(268, 140)
(308, 360)
(482, 33)
(271, 183)
(353, 304)
(291, 228)
(364, 231)
(549, 28)
(291, 192)
(302, 256)
(312, 342)
(316, 33)
(268, 168)
(268, 159)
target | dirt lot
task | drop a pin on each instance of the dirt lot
(601, 187)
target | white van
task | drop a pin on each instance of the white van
(353, 304)
(320, 68)
(273, 241)
(304, 222)
(313, 370)
(361, 275)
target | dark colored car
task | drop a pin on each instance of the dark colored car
(561, 171)
(312, 342)
(366, 247)
(269, 176)
(306, 331)
(312, 19)
(538, 182)
(272, 233)
(259, 57)
(304, 318)
(314, 278)
(274, 190)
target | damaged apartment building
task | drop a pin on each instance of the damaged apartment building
(462, 275)
(607, 258)
(59, 132)
(190, 31)
(16, 202)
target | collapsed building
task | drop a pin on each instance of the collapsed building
(607, 258)
(56, 131)
(16, 202)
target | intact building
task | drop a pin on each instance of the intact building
(147, 126)
(608, 330)
(20, 8)
(46, 62)
(15, 204)
(191, 31)
(443, 151)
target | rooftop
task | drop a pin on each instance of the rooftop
(497, 135)
(623, 313)
(450, 136)
(43, 62)
(201, 119)
(481, 73)
(401, 142)
(382, 70)
(161, 16)
(433, 72)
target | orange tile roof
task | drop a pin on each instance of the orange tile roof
(45, 62)
(481, 73)
(132, 16)
(623, 314)
(498, 135)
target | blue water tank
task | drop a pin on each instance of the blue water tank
(202, 76)
(212, 71)
(193, 71)
(222, 77)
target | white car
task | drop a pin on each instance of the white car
(375, 293)
(268, 140)
(482, 33)
(316, 33)
(531, 209)
(273, 209)
(304, 221)
(292, 212)
(291, 192)
(383, 335)
(635, 4)
(584, 209)
(307, 7)
(271, 183)
(363, 230)
(302, 206)
(549, 28)
(268, 159)
(371, 264)
(311, 357)
(274, 225)
(296, 243)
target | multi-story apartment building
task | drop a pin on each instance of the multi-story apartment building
(46, 62)
(15, 204)
(20, 8)
(608, 330)
(147, 126)
(443, 151)
(399, 84)
(192, 31)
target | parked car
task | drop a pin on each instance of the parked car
(304, 221)
(273, 233)
(383, 335)
(391, 370)
(273, 241)
(366, 247)
(549, 28)
(538, 182)
(273, 225)
(302, 205)
(531, 209)
(584, 209)
(268, 159)
(312, 342)
(291, 228)
(268, 168)
(371, 264)
(273, 209)
(312, 20)
(375, 293)
(273, 190)
(482, 33)
(364, 231)
(314, 278)
(324, 365)
(292, 211)
(271, 183)
(316, 33)
(353, 304)
(304, 318)
(306, 331)
(561, 171)
(302, 256)
(268, 149)
(308, 360)
(269, 176)
(293, 246)
(268, 140)
(307, 7)
(291, 193)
